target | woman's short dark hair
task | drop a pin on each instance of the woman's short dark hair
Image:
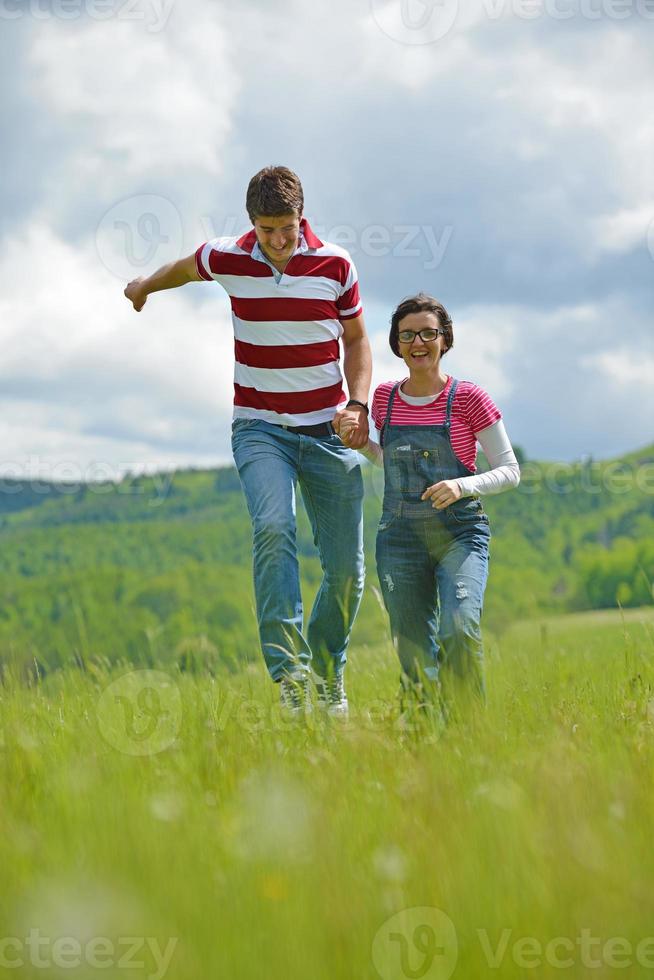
(273, 192)
(422, 303)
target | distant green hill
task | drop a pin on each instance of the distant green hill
(158, 568)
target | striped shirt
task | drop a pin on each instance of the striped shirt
(472, 411)
(286, 328)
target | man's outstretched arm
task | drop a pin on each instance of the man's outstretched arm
(167, 277)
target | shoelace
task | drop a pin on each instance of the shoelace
(333, 690)
(294, 693)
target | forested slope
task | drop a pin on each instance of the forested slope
(158, 568)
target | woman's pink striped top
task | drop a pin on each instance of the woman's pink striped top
(472, 410)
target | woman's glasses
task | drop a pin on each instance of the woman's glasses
(408, 336)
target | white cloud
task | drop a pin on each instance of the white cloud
(86, 378)
(88, 384)
(137, 103)
(529, 139)
(536, 97)
(578, 98)
(624, 229)
(483, 341)
(624, 368)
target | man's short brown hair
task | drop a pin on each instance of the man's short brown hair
(422, 303)
(273, 192)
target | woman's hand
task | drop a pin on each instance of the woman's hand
(443, 494)
(345, 428)
(351, 424)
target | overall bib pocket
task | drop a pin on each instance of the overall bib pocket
(414, 469)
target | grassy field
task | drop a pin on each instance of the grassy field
(178, 822)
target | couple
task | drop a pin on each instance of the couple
(293, 298)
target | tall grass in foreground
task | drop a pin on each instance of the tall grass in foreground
(185, 808)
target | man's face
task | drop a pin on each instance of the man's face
(277, 237)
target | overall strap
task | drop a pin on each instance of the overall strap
(450, 400)
(389, 409)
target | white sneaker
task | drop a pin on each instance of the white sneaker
(294, 693)
(332, 696)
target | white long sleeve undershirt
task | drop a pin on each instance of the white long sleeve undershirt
(504, 472)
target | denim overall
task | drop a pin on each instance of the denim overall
(432, 564)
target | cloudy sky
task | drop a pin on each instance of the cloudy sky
(496, 153)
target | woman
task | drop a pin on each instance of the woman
(432, 543)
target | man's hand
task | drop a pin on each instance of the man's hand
(167, 277)
(357, 368)
(443, 494)
(136, 294)
(351, 424)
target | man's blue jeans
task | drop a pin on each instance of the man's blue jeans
(271, 461)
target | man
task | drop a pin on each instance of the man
(293, 297)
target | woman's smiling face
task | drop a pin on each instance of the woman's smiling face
(419, 354)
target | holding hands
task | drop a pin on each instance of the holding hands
(351, 424)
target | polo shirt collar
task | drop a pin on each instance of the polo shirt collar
(312, 240)
(307, 239)
(247, 241)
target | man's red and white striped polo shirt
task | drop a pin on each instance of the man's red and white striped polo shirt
(286, 333)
